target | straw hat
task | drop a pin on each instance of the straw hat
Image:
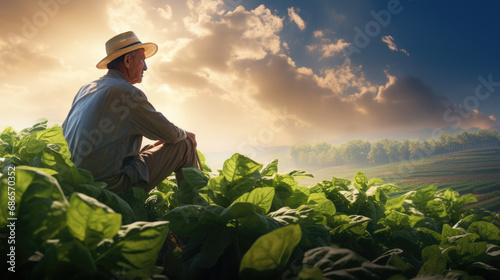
(124, 43)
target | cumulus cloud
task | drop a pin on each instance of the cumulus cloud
(330, 50)
(327, 48)
(389, 40)
(294, 17)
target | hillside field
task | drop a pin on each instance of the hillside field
(471, 171)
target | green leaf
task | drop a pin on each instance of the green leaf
(195, 221)
(91, 221)
(352, 225)
(488, 231)
(238, 167)
(300, 174)
(322, 204)
(260, 197)
(204, 165)
(377, 194)
(298, 197)
(270, 252)
(286, 215)
(195, 177)
(189, 189)
(136, 198)
(32, 144)
(374, 181)
(437, 208)
(66, 260)
(422, 196)
(360, 181)
(434, 261)
(395, 203)
(340, 263)
(26, 177)
(270, 169)
(396, 220)
(135, 249)
(110, 199)
(40, 209)
(10, 139)
(310, 273)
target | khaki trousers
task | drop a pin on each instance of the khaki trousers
(161, 161)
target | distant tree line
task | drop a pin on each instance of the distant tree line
(359, 152)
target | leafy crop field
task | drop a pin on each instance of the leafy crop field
(245, 221)
(472, 171)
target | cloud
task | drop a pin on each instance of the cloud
(221, 74)
(330, 50)
(389, 40)
(318, 34)
(165, 12)
(125, 14)
(294, 17)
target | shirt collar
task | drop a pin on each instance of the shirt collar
(112, 73)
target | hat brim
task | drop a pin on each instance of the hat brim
(149, 50)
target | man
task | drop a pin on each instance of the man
(109, 117)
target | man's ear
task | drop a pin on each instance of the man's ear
(126, 61)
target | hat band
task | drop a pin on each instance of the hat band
(130, 45)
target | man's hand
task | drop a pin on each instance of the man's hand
(192, 137)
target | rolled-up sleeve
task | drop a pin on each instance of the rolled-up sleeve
(145, 120)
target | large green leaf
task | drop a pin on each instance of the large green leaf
(260, 197)
(194, 220)
(488, 231)
(26, 177)
(422, 196)
(91, 221)
(321, 203)
(195, 177)
(395, 203)
(110, 199)
(397, 220)
(134, 249)
(9, 140)
(136, 197)
(189, 189)
(436, 207)
(434, 261)
(66, 260)
(377, 194)
(340, 263)
(32, 144)
(270, 253)
(299, 196)
(238, 167)
(40, 209)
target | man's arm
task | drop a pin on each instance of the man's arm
(145, 120)
(191, 136)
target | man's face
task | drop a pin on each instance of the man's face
(137, 66)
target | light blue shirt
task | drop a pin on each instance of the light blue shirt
(106, 123)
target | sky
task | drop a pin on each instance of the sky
(245, 73)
